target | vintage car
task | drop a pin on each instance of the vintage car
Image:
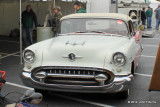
(92, 53)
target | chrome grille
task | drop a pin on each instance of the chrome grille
(71, 76)
(73, 72)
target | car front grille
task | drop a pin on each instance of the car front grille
(72, 76)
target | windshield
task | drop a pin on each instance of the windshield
(109, 26)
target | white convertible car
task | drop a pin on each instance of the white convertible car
(93, 53)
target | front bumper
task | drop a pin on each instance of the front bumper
(120, 84)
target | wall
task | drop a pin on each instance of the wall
(101, 6)
(9, 13)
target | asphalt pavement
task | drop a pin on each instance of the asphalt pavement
(139, 94)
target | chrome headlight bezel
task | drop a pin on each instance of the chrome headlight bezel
(24, 56)
(116, 63)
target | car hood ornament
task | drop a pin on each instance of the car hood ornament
(72, 56)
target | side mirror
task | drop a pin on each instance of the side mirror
(26, 96)
(37, 98)
(31, 97)
(28, 93)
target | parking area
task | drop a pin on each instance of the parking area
(139, 94)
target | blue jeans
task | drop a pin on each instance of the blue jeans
(149, 21)
(144, 22)
(27, 34)
(157, 23)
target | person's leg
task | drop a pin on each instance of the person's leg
(143, 21)
(54, 33)
(150, 21)
(31, 35)
(157, 23)
(24, 36)
(147, 22)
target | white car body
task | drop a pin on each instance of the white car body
(88, 52)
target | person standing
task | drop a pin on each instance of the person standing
(28, 19)
(156, 9)
(157, 17)
(149, 13)
(56, 18)
(143, 17)
(78, 7)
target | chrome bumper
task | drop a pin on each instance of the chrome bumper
(119, 84)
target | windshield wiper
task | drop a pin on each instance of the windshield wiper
(98, 31)
(101, 32)
(76, 32)
(89, 31)
(80, 32)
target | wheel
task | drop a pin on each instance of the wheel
(123, 95)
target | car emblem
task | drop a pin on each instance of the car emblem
(75, 43)
(72, 56)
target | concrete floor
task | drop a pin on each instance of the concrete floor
(139, 95)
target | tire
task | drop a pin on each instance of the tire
(123, 95)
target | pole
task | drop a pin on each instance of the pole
(54, 3)
(88, 6)
(20, 27)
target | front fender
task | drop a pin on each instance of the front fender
(122, 70)
(38, 49)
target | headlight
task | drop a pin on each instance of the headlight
(28, 56)
(119, 59)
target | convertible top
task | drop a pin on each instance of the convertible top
(98, 15)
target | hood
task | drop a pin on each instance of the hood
(80, 51)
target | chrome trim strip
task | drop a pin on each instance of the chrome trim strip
(69, 81)
(70, 76)
(69, 68)
(117, 81)
(26, 74)
(123, 78)
(90, 73)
